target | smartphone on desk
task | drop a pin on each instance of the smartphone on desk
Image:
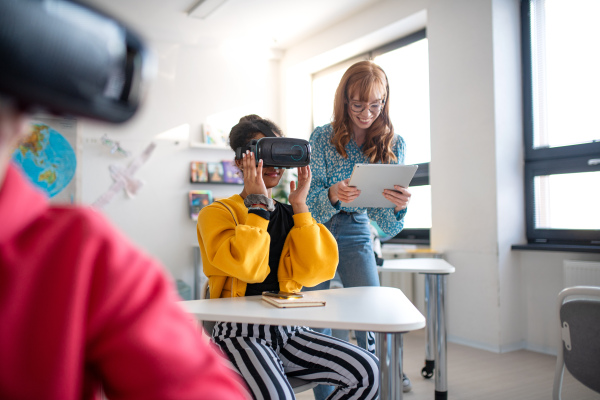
(283, 295)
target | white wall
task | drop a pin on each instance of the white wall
(542, 275)
(498, 299)
(463, 165)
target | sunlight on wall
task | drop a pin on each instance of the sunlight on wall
(180, 133)
(250, 49)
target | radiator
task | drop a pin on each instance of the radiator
(581, 273)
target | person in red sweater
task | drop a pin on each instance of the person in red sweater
(82, 310)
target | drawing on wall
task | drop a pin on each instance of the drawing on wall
(115, 147)
(49, 155)
(123, 178)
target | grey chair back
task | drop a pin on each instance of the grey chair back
(579, 347)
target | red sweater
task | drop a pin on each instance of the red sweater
(81, 307)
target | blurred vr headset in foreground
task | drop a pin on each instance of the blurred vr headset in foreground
(278, 152)
(64, 58)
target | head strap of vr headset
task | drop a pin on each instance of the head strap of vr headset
(264, 129)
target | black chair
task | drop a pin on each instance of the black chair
(579, 347)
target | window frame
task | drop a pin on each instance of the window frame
(408, 236)
(549, 161)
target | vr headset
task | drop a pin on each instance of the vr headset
(278, 152)
(64, 58)
(275, 151)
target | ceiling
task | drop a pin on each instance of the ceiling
(276, 24)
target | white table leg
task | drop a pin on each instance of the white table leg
(441, 378)
(435, 271)
(389, 352)
(430, 286)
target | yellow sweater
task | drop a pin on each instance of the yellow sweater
(235, 255)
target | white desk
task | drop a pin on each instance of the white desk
(360, 308)
(436, 271)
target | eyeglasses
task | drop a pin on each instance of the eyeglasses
(358, 107)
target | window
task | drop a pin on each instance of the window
(562, 131)
(406, 64)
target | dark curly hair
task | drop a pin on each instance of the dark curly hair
(248, 127)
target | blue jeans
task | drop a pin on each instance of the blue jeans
(356, 267)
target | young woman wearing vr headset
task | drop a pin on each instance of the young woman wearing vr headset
(251, 244)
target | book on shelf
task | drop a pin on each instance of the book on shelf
(293, 303)
(198, 199)
(215, 171)
(198, 171)
(231, 173)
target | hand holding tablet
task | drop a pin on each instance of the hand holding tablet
(372, 179)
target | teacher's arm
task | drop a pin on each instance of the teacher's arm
(342, 191)
(400, 196)
(318, 201)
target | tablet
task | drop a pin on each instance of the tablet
(371, 179)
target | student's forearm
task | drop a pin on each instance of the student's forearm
(333, 198)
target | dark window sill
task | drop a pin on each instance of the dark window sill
(574, 248)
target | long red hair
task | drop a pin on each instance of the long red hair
(363, 79)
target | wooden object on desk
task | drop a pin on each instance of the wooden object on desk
(293, 303)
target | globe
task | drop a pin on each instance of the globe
(47, 158)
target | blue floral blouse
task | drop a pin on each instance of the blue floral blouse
(329, 167)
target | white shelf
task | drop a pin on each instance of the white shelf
(200, 145)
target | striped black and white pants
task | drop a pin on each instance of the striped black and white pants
(265, 354)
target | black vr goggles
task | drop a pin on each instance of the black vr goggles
(64, 58)
(276, 151)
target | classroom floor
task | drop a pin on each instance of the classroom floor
(475, 374)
